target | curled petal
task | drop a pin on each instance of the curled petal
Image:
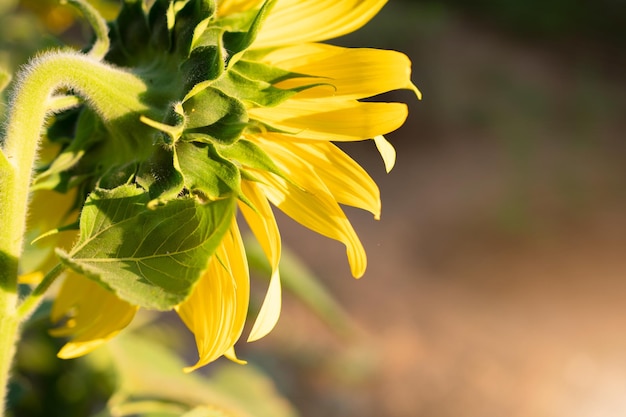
(315, 209)
(336, 120)
(95, 315)
(345, 179)
(297, 21)
(263, 224)
(387, 152)
(350, 72)
(216, 310)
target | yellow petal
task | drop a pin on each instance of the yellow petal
(336, 120)
(261, 221)
(351, 72)
(346, 180)
(230, 354)
(270, 310)
(96, 315)
(216, 310)
(316, 210)
(32, 278)
(48, 210)
(297, 21)
(263, 225)
(387, 152)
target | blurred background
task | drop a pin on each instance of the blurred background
(497, 273)
(496, 278)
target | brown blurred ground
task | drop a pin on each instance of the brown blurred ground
(496, 278)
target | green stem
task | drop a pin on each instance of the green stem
(113, 93)
(9, 334)
(30, 303)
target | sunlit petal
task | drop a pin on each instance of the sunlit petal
(346, 180)
(350, 72)
(261, 221)
(95, 315)
(316, 210)
(216, 310)
(387, 152)
(263, 224)
(295, 21)
(32, 278)
(337, 120)
(230, 354)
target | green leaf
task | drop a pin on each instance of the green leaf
(148, 257)
(206, 171)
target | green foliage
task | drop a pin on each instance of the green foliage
(150, 257)
(136, 375)
(158, 176)
(232, 390)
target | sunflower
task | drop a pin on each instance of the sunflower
(250, 96)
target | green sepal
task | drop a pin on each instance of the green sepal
(250, 90)
(118, 175)
(129, 34)
(89, 131)
(238, 41)
(250, 155)
(259, 71)
(215, 114)
(160, 25)
(204, 63)
(235, 32)
(187, 19)
(149, 257)
(160, 175)
(254, 82)
(206, 171)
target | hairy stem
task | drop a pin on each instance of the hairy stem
(113, 93)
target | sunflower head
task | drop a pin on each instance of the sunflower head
(234, 107)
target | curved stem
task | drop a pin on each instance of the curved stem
(113, 93)
(9, 332)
